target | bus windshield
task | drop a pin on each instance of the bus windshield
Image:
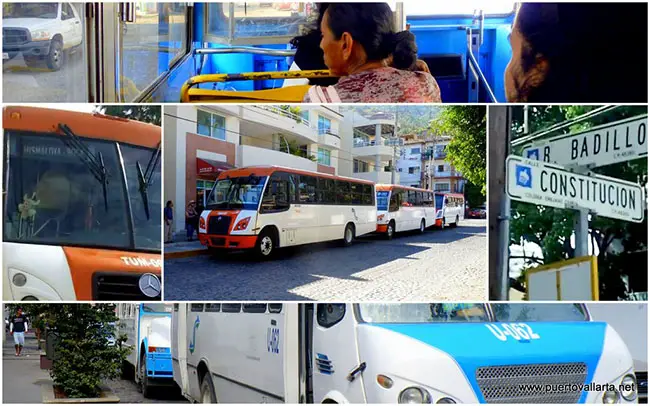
(422, 312)
(236, 193)
(507, 312)
(54, 196)
(439, 200)
(157, 307)
(30, 10)
(382, 200)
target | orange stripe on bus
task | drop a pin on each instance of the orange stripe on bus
(84, 262)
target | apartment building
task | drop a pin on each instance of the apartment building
(410, 164)
(371, 150)
(440, 174)
(203, 141)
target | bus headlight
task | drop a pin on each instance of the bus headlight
(610, 397)
(628, 387)
(446, 400)
(19, 279)
(242, 224)
(202, 223)
(380, 217)
(414, 395)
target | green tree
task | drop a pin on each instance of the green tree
(144, 113)
(467, 149)
(474, 195)
(84, 358)
(552, 228)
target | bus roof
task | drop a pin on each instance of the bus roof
(91, 125)
(386, 187)
(267, 170)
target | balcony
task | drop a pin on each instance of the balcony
(251, 156)
(328, 138)
(439, 155)
(377, 177)
(447, 174)
(263, 121)
(369, 149)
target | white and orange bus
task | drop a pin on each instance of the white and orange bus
(404, 208)
(266, 207)
(450, 209)
(81, 206)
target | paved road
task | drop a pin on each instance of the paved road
(448, 264)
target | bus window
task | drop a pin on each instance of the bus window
(231, 307)
(52, 197)
(538, 312)
(307, 189)
(439, 201)
(394, 200)
(254, 307)
(197, 307)
(382, 200)
(275, 307)
(328, 314)
(50, 66)
(357, 192)
(156, 308)
(276, 195)
(175, 307)
(441, 8)
(368, 197)
(326, 191)
(422, 312)
(343, 194)
(213, 307)
(236, 193)
(150, 46)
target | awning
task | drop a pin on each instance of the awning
(210, 167)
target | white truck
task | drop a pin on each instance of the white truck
(398, 353)
(42, 32)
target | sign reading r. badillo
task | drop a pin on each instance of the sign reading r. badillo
(551, 185)
(606, 144)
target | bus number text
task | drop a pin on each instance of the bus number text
(273, 340)
(517, 331)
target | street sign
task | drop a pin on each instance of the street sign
(546, 184)
(610, 143)
(573, 279)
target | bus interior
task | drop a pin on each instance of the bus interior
(168, 52)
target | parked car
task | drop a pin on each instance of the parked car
(477, 212)
(42, 32)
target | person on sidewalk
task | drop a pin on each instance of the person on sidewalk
(17, 327)
(169, 220)
(191, 217)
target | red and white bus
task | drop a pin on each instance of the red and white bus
(266, 207)
(403, 208)
(450, 209)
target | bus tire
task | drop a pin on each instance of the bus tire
(423, 226)
(456, 223)
(390, 230)
(207, 389)
(266, 244)
(348, 235)
(145, 388)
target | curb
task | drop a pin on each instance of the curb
(186, 254)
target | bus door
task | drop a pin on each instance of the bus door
(179, 347)
(337, 374)
(398, 204)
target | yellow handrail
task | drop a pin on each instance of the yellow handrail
(286, 94)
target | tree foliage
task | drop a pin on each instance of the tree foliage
(84, 358)
(144, 113)
(620, 244)
(467, 150)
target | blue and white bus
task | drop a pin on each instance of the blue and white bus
(147, 327)
(398, 353)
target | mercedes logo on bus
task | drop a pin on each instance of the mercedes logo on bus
(149, 285)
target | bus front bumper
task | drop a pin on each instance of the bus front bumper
(228, 241)
(159, 366)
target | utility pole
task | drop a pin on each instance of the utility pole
(395, 137)
(499, 205)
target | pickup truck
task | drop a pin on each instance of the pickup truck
(42, 32)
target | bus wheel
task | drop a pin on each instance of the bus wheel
(348, 235)
(265, 245)
(207, 389)
(456, 223)
(390, 230)
(423, 225)
(144, 379)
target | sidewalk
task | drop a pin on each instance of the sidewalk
(181, 248)
(22, 376)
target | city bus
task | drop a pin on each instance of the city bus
(398, 353)
(403, 208)
(267, 207)
(81, 206)
(147, 327)
(450, 209)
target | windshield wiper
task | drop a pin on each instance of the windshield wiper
(145, 179)
(95, 164)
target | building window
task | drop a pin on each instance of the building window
(324, 156)
(414, 169)
(360, 166)
(441, 187)
(211, 125)
(415, 150)
(203, 188)
(324, 125)
(304, 114)
(441, 168)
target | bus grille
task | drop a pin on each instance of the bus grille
(14, 36)
(526, 383)
(118, 286)
(219, 225)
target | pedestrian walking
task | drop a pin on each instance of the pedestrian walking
(191, 218)
(169, 220)
(18, 326)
